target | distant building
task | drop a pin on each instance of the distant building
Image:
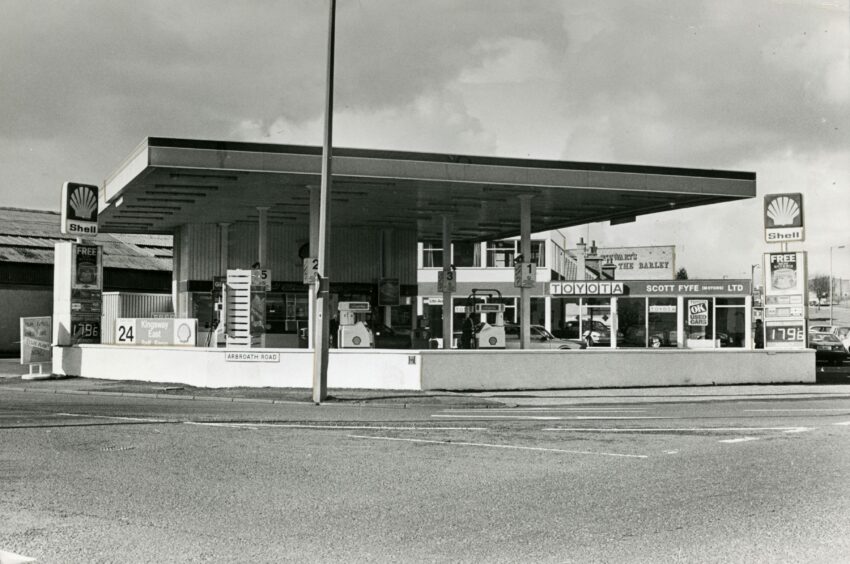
(132, 263)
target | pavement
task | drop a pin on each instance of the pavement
(832, 383)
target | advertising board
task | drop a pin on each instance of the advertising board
(785, 288)
(87, 267)
(156, 331)
(36, 337)
(641, 263)
(698, 312)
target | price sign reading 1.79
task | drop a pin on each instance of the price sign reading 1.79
(787, 335)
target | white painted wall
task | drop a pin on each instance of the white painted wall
(207, 368)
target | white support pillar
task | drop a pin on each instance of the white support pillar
(681, 339)
(313, 245)
(386, 245)
(525, 251)
(748, 322)
(547, 308)
(615, 321)
(448, 306)
(262, 243)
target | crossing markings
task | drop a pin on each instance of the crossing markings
(488, 445)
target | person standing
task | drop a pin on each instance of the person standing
(466, 332)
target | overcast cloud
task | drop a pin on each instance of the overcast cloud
(756, 85)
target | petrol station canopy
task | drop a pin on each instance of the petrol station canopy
(168, 182)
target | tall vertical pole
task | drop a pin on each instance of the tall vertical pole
(320, 348)
(525, 251)
(830, 280)
(448, 306)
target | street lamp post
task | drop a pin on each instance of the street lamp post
(830, 279)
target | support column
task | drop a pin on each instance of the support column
(448, 306)
(320, 350)
(224, 249)
(314, 246)
(262, 243)
(525, 251)
(681, 338)
(386, 242)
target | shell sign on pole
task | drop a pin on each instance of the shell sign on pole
(783, 218)
(79, 209)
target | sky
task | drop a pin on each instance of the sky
(757, 85)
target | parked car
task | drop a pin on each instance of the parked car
(389, 338)
(539, 338)
(843, 334)
(570, 330)
(828, 348)
(822, 329)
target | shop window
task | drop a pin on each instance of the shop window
(631, 322)
(538, 252)
(699, 320)
(662, 316)
(731, 328)
(500, 254)
(432, 254)
(466, 254)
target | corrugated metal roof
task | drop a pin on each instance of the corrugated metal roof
(29, 236)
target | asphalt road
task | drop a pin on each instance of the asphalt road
(122, 479)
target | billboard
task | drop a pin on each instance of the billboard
(79, 209)
(641, 263)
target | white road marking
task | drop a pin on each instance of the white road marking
(12, 558)
(487, 445)
(681, 430)
(802, 409)
(553, 409)
(842, 423)
(144, 419)
(547, 417)
(741, 440)
(332, 427)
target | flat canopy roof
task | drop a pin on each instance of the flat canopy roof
(165, 183)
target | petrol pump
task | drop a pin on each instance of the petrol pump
(353, 332)
(491, 335)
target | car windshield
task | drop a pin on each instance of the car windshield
(825, 338)
(538, 331)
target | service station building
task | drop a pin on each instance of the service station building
(239, 209)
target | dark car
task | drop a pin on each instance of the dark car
(539, 338)
(828, 348)
(389, 338)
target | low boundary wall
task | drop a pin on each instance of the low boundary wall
(437, 370)
(540, 370)
(209, 368)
